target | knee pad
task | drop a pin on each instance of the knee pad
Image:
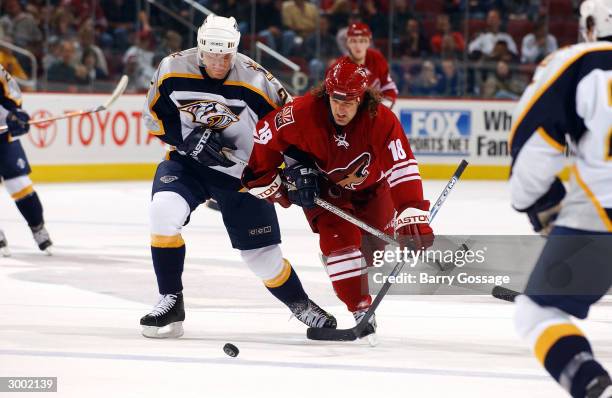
(167, 213)
(19, 187)
(266, 262)
(531, 319)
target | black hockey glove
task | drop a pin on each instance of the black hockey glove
(546, 209)
(305, 180)
(17, 122)
(205, 146)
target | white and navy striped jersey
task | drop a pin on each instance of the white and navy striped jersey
(182, 96)
(569, 103)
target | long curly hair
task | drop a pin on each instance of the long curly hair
(371, 98)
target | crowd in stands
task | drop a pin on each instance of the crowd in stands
(485, 48)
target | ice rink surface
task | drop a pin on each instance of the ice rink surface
(75, 315)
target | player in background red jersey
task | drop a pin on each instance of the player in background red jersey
(358, 41)
(351, 151)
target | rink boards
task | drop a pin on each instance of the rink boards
(115, 145)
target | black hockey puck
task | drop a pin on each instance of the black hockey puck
(230, 350)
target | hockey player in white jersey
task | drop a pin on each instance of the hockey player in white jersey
(203, 101)
(14, 165)
(568, 104)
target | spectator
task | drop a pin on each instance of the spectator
(62, 25)
(87, 36)
(502, 84)
(453, 41)
(301, 18)
(139, 61)
(64, 70)
(427, 82)
(484, 43)
(401, 15)
(375, 14)
(122, 17)
(451, 82)
(339, 14)
(521, 9)
(328, 50)
(268, 24)
(501, 52)
(172, 43)
(85, 11)
(92, 71)
(20, 26)
(538, 44)
(412, 43)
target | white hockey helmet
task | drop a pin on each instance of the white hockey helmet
(218, 35)
(598, 13)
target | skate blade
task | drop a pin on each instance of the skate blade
(5, 252)
(171, 331)
(48, 251)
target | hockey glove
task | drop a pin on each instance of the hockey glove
(412, 226)
(17, 122)
(305, 180)
(545, 210)
(275, 192)
(206, 146)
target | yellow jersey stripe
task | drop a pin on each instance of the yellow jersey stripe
(165, 242)
(551, 141)
(281, 278)
(23, 193)
(600, 210)
(552, 335)
(253, 89)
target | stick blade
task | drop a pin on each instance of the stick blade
(328, 334)
(121, 86)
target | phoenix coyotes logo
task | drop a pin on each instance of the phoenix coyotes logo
(352, 175)
(211, 114)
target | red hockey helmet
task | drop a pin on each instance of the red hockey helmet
(358, 29)
(346, 81)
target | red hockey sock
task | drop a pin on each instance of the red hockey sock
(349, 276)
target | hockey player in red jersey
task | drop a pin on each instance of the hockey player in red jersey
(352, 152)
(358, 40)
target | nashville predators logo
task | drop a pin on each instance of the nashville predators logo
(352, 175)
(211, 114)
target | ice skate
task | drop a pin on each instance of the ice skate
(41, 236)
(310, 314)
(4, 250)
(165, 319)
(370, 331)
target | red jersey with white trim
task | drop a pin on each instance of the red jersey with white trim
(356, 156)
(379, 77)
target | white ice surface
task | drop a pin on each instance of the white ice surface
(75, 315)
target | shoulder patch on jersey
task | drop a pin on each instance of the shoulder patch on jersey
(352, 175)
(211, 114)
(250, 64)
(284, 117)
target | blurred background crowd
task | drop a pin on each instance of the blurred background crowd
(441, 48)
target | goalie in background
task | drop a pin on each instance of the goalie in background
(14, 165)
(203, 101)
(569, 103)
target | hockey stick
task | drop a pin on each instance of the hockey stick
(355, 332)
(119, 89)
(342, 214)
